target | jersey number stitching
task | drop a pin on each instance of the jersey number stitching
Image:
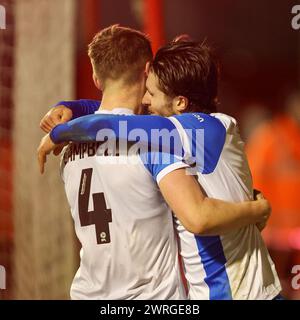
(101, 216)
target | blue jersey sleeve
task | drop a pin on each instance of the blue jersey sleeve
(157, 132)
(197, 138)
(80, 107)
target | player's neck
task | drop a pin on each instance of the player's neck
(117, 95)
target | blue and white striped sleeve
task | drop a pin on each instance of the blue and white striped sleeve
(203, 137)
(160, 164)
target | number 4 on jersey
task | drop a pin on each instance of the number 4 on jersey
(101, 216)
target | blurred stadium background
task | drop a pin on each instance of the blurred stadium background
(43, 60)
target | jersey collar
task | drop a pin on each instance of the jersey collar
(114, 111)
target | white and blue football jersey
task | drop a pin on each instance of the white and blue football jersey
(129, 248)
(236, 265)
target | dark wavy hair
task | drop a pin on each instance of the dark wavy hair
(188, 68)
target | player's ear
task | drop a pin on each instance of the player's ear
(97, 82)
(181, 104)
(147, 68)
